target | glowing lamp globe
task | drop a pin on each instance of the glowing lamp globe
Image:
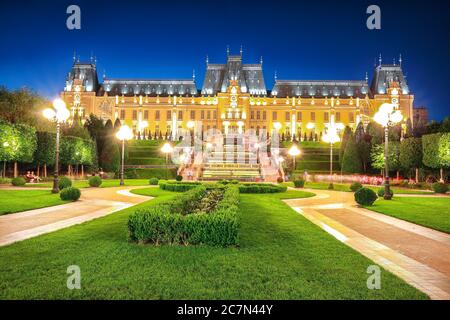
(59, 104)
(294, 151)
(49, 114)
(190, 124)
(277, 125)
(124, 133)
(166, 148)
(310, 126)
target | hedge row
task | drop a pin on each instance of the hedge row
(261, 188)
(178, 186)
(173, 223)
(147, 173)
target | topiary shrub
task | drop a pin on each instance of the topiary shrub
(95, 181)
(179, 178)
(439, 187)
(355, 186)
(18, 181)
(64, 182)
(153, 181)
(70, 194)
(224, 182)
(280, 180)
(234, 182)
(300, 183)
(381, 192)
(331, 186)
(365, 196)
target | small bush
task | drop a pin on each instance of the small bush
(439, 187)
(365, 196)
(300, 183)
(5, 181)
(355, 186)
(331, 186)
(95, 181)
(154, 181)
(224, 182)
(179, 178)
(64, 182)
(234, 182)
(280, 180)
(70, 194)
(18, 181)
(381, 192)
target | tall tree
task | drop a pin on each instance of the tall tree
(411, 155)
(351, 162)
(376, 132)
(377, 156)
(345, 136)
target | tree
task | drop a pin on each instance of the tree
(445, 127)
(408, 128)
(117, 125)
(411, 155)
(110, 156)
(45, 150)
(76, 130)
(345, 136)
(376, 132)
(436, 151)
(351, 162)
(377, 156)
(363, 145)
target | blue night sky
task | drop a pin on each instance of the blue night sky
(307, 40)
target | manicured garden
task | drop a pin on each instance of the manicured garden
(21, 200)
(106, 183)
(281, 255)
(429, 212)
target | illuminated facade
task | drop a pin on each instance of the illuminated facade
(234, 98)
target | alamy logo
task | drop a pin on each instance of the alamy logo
(374, 280)
(74, 279)
(374, 20)
(74, 20)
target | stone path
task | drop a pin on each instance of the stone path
(94, 203)
(419, 255)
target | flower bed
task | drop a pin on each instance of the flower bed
(199, 216)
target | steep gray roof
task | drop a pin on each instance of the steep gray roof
(320, 88)
(86, 72)
(384, 75)
(249, 76)
(148, 87)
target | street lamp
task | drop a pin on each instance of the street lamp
(166, 149)
(123, 134)
(294, 151)
(59, 114)
(331, 137)
(388, 115)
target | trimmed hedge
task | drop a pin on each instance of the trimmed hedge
(147, 173)
(178, 186)
(18, 181)
(261, 188)
(381, 192)
(173, 222)
(439, 187)
(153, 181)
(300, 183)
(95, 181)
(70, 194)
(355, 186)
(365, 196)
(64, 182)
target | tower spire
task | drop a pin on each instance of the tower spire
(367, 77)
(104, 74)
(74, 56)
(207, 60)
(380, 60)
(240, 51)
(261, 60)
(275, 76)
(193, 74)
(400, 60)
(228, 51)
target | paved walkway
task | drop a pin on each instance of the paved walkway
(94, 203)
(419, 255)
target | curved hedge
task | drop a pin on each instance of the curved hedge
(261, 188)
(173, 222)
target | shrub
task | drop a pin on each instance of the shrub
(64, 182)
(153, 181)
(179, 178)
(18, 181)
(224, 182)
(300, 183)
(280, 180)
(381, 192)
(261, 188)
(5, 181)
(234, 182)
(173, 223)
(365, 196)
(439, 187)
(177, 186)
(331, 186)
(95, 181)
(355, 186)
(70, 194)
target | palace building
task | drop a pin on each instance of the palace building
(234, 98)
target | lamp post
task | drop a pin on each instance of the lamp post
(294, 151)
(166, 149)
(331, 137)
(59, 114)
(388, 115)
(123, 134)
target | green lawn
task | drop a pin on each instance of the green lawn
(429, 212)
(105, 184)
(346, 187)
(282, 256)
(21, 200)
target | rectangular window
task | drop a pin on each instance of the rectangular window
(157, 116)
(192, 114)
(258, 115)
(274, 115)
(122, 114)
(215, 114)
(208, 114)
(326, 117)
(299, 116)
(168, 115)
(202, 114)
(134, 114)
(351, 116)
(338, 116)
(264, 115)
(313, 116)
(180, 115)
(146, 114)
(288, 116)
(252, 115)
